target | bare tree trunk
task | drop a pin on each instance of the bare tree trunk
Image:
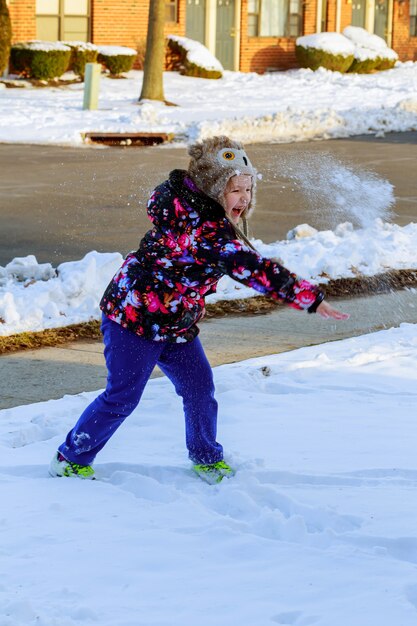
(5, 36)
(152, 87)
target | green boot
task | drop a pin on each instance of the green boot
(60, 466)
(213, 473)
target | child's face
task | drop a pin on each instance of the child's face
(237, 196)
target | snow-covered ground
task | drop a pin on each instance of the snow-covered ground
(35, 296)
(318, 527)
(287, 106)
(284, 106)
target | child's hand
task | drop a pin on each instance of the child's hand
(326, 310)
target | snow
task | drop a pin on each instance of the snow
(334, 43)
(82, 45)
(116, 51)
(359, 240)
(296, 105)
(354, 40)
(368, 45)
(317, 527)
(46, 46)
(197, 53)
(35, 297)
(361, 37)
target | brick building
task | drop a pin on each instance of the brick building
(246, 35)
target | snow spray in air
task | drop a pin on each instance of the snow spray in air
(337, 192)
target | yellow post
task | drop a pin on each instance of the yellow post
(91, 85)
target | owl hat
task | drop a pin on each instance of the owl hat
(214, 161)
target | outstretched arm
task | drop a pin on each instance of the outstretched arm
(218, 246)
(327, 311)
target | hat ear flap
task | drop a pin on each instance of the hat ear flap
(196, 151)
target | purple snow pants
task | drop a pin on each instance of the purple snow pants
(130, 360)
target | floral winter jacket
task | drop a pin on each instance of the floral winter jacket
(159, 291)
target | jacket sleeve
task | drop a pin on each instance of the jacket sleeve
(234, 258)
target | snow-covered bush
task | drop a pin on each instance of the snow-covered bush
(329, 50)
(195, 59)
(42, 60)
(371, 51)
(117, 59)
(355, 50)
(81, 53)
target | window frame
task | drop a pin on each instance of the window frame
(291, 19)
(169, 4)
(413, 19)
(61, 15)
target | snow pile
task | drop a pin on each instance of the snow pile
(346, 252)
(33, 298)
(333, 43)
(45, 46)
(368, 45)
(198, 54)
(322, 501)
(354, 41)
(297, 105)
(409, 104)
(111, 51)
(26, 269)
(82, 45)
(361, 37)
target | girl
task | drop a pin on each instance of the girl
(152, 305)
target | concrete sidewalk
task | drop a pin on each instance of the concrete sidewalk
(37, 375)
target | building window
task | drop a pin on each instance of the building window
(413, 18)
(275, 18)
(171, 10)
(63, 20)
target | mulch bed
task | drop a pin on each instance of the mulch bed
(393, 280)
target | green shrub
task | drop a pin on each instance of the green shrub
(364, 66)
(314, 58)
(5, 35)
(187, 66)
(116, 64)
(116, 59)
(369, 47)
(386, 64)
(81, 53)
(42, 60)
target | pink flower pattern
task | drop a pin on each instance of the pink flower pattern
(159, 290)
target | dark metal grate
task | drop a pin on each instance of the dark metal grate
(128, 139)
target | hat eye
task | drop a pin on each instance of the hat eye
(228, 155)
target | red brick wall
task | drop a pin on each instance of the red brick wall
(124, 22)
(310, 10)
(113, 22)
(22, 15)
(260, 53)
(346, 17)
(331, 16)
(118, 22)
(403, 44)
(179, 27)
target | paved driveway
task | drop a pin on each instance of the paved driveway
(60, 203)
